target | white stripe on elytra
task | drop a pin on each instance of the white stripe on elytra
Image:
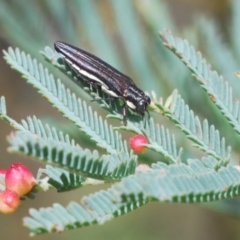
(109, 92)
(104, 87)
(131, 105)
(88, 75)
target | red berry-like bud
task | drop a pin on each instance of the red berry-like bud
(136, 143)
(9, 201)
(19, 179)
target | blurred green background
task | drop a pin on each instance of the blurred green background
(125, 34)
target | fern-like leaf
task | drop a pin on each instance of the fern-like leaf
(33, 129)
(74, 109)
(195, 182)
(159, 138)
(216, 87)
(60, 179)
(204, 137)
(72, 157)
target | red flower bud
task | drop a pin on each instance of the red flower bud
(19, 179)
(9, 201)
(136, 143)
